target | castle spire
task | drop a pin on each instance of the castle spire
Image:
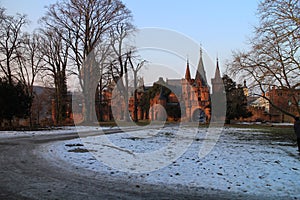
(217, 81)
(200, 73)
(187, 71)
(217, 73)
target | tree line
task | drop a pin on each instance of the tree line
(85, 39)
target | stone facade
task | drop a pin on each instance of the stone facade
(190, 96)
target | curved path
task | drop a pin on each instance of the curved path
(25, 174)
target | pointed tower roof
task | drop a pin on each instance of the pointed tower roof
(187, 71)
(217, 81)
(217, 73)
(200, 73)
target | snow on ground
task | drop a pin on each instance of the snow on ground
(58, 130)
(267, 123)
(239, 162)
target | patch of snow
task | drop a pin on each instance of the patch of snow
(268, 123)
(57, 130)
(248, 123)
(234, 164)
(282, 124)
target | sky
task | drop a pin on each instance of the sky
(219, 26)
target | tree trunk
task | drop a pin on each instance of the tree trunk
(135, 112)
(100, 102)
(126, 111)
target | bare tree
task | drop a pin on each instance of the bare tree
(30, 60)
(103, 53)
(273, 58)
(86, 24)
(30, 63)
(55, 54)
(10, 34)
(119, 36)
(136, 65)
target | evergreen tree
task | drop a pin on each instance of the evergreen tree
(236, 100)
(14, 101)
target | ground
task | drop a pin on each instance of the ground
(241, 163)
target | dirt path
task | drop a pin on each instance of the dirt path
(25, 174)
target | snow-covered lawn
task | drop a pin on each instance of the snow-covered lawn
(242, 160)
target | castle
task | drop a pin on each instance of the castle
(187, 99)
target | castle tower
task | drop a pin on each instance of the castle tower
(218, 97)
(200, 77)
(217, 81)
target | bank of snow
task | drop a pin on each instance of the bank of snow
(241, 161)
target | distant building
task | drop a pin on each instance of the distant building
(263, 111)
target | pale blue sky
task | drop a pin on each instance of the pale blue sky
(219, 25)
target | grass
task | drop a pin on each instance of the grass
(277, 131)
(266, 128)
(272, 133)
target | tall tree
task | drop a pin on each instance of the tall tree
(119, 36)
(30, 63)
(135, 65)
(273, 58)
(103, 52)
(55, 53)
(30, 60)
(86, 24)
(11, 40)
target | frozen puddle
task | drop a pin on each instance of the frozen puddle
(233, 164)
